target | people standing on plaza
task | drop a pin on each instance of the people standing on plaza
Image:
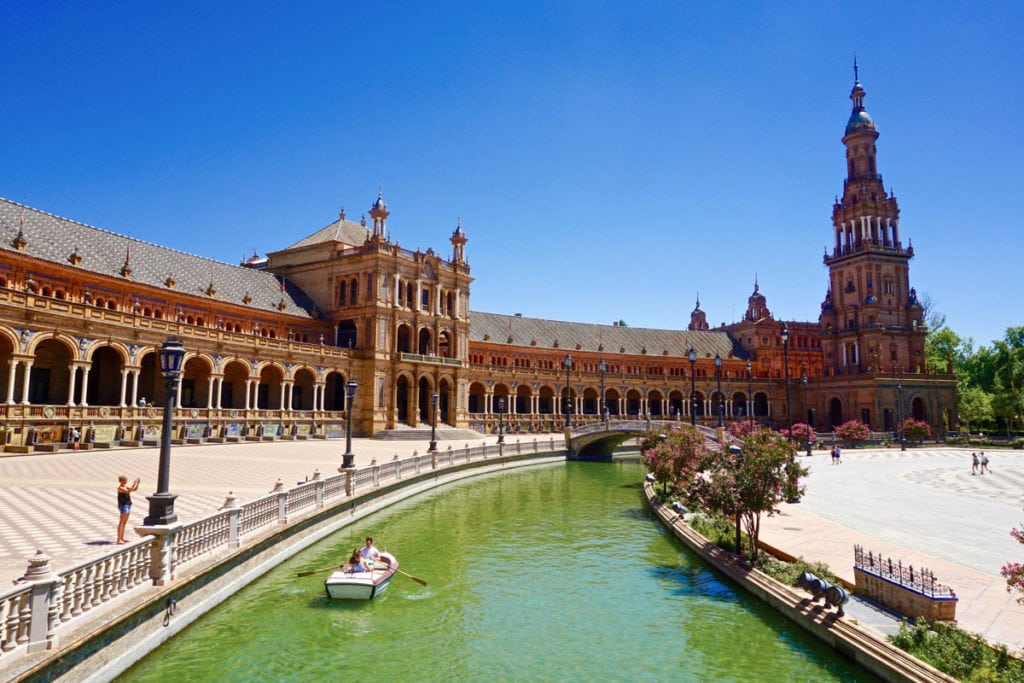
(974, 463)
(984, 463)
(76, 438)
(836, 455)
(124, 504)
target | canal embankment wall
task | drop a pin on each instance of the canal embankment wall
(858, 644)
(121, 632)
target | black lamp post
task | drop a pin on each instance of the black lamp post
(568, 391)
(810, 420)
(718, 376)
(348, 459)
(903, 440)
(161, 503)
(750, 394)
(692, 355)
(604, 409)
(501, 423)
(785, 361)
(433, 423)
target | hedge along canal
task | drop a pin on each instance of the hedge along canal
(532, 574)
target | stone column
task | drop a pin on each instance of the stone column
(72, 384)
(124, 385)
(24, 387)
(13, 363)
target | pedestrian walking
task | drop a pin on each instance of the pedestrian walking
(836, 454)
(974, 463)
(76, 438)
(124, 504)
(984, 463)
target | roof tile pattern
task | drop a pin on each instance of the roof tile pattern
(54, 239)
(497, 328)
(340, 230)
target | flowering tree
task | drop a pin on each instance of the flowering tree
(740, 428)
(752, 482)
(916, 430)
(853, 432)
(1013, 572)
(675, 456)
(802, 433)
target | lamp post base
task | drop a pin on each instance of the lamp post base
(348, 461)
(432, 448)
(161, 510)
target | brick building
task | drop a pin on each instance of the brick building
(272, 342)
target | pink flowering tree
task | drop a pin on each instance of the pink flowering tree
(916, 430)
(853, 432)
(802, 433)
(753, 482)
(1013, 572)
(674, 457)
(741, 428)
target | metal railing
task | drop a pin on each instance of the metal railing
(921, 580)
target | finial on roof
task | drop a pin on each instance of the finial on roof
(19, 240)
(75, 258)
(363, 221)
(341, 214)
(856, 69)
(126, 269)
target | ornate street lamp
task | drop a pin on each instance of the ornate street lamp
(433, 423)
(750, 394)
(348, 459)
(692, 355)
(501, 423)
(161, 503)
(903, 440)
(785, 361)
(718, 376)
(568, 391)
(604, 409)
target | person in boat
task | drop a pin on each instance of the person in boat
(369, 552)
(355, 563)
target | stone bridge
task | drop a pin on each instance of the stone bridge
(600, 439)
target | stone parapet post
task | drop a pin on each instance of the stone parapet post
(163, 551)
(234, 518)
(43, 602)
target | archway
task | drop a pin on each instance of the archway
(546, 401)
(50, 377)
(477, 398)
(104, 378)
(835, 413)
(233, 388)
(917, 409)
(195, 383)
(403, 340)
(402, 400)
(303, 389)
(523, 395)
(612, 397)
(760, 404)
(698, 404)
(426, 342)
(654, 402)
(6, 352)
(675, 404)
(334, 391)
(425, 389)
(444, 403)
(632, 402)
(268, 393)
(739, 404)
(589, 401)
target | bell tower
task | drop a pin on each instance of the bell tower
(871, 320)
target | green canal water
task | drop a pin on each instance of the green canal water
(546, 573)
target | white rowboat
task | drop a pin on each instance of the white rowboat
(345, 585)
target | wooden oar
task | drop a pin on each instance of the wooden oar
(414, 578)
(316, 571)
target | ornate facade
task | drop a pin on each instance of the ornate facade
(272, 342)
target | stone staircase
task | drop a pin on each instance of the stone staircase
(444, 433)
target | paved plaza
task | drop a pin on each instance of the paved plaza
(923, 507)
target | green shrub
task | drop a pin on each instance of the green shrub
(718, 529)
(788, 572)
(966, 656)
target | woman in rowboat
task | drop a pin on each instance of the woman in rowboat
(355, 563)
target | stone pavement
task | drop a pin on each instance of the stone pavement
(924, 508)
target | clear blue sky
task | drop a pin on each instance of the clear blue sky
(608, 160)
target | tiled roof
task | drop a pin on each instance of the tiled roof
(55, 239)
(498, 328)
(340, 230)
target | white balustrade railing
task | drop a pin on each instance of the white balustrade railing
(43, 600)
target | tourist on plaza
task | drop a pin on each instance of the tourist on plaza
(124, 504)
(836, 455)
(984, 463)
(974, 463)
(76, 438)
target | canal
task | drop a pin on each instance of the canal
(546, 573)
